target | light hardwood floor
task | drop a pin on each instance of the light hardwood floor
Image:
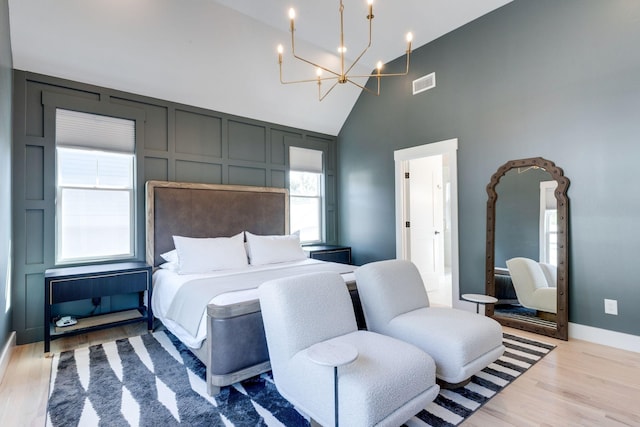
(577, 384)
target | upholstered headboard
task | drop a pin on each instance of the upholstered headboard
(210, 210)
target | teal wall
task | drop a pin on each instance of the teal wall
(548, 78)
(5, 172)
(173, 142)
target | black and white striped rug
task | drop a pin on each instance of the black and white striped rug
(153, 380)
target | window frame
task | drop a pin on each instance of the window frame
(545, 244)
(321, 187)
(131, 189)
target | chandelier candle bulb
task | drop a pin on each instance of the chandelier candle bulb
(370, 3)
(292, 17)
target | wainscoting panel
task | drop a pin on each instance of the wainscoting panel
(34, 226)
(198, 134)
(278, 178)
(189, 171)
(247, 142)
(156, 169)
(34, 297)
(241, 175)
(34, 173)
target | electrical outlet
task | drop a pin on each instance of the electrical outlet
(611, 306)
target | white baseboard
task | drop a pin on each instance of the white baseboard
(6, 354)
(605, 337)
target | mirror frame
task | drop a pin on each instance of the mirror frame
(562, 315)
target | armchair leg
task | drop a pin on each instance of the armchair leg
(450, 386)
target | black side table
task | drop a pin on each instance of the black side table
(86, 282)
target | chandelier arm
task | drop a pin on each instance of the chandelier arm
(320, 98)
(357, 84)
(366, 88)
(364, 76)
(328, 70)
(357, 59)
(370, 19)
(295, 55)
(299, 81)
(284, 82)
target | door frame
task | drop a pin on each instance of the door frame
(401, 157)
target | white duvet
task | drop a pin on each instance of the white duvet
(166, 284)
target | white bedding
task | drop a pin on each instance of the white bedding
(166, 284)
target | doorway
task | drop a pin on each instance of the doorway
(426, 216)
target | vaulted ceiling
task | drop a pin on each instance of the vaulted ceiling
(221, 54)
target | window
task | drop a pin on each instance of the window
(548, 223)
(551, 236)
(305, 193)
(94, 187)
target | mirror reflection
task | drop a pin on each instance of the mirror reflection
(527, 246)
(526, 253)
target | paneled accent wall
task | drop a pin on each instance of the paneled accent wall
(174, 142)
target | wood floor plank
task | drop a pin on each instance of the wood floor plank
(576, 384)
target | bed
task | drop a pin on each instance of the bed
(225, 329)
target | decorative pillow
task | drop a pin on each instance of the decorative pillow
(201, 255)
(273, 249)
(171, 256)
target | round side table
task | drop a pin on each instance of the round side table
(328, 353)
(479, 299)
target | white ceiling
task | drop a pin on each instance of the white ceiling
(221, 55)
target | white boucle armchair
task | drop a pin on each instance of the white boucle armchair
(395, 303)
(389, 382)
(531, 281)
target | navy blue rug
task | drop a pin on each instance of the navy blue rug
(154, 380)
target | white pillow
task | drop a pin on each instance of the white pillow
(171, 256)
(273, 249)
(201, 255)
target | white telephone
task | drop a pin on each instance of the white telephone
(66, 321)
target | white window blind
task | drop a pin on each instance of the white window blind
(93, 131)
(305, 160)
(94, 187)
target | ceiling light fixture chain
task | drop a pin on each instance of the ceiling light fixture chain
(342, 76)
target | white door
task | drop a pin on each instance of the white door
(427, 201)
(425, 216)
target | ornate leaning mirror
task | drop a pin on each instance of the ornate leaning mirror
(527, 247)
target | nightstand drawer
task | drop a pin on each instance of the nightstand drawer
(77, 288)
(331, 253)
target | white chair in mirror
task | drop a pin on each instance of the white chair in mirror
(534, 283)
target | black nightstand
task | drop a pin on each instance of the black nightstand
(86, 282)
(333, 253)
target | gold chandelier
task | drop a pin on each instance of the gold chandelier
(342, 76)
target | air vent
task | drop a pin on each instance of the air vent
(424, 83)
